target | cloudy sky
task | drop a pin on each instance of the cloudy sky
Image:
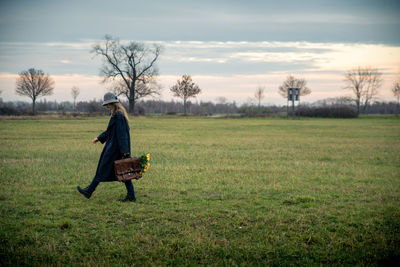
(229, 47)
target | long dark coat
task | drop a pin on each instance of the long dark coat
(118, 142)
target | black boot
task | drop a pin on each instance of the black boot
(85, 192)
(128, 198)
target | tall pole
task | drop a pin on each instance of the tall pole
(287, 109)
(293, 115)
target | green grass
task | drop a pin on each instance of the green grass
(219, 192)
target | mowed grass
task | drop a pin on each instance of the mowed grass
(220, 192)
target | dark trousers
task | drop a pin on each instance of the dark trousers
(129, 186)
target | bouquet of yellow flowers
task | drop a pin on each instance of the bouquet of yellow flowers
(144, 163)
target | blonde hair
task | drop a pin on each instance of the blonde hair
(119, 107)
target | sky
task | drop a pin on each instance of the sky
(228, 47)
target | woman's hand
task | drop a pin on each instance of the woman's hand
(125, 155)
(95, 140)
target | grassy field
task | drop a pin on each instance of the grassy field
(219, 192)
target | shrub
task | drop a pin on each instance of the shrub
(11, 111)
(254, 111)
(331, 111)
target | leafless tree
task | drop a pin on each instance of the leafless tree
(34, 84)
(364, 82)
(396, 92)
(221, 100)
(150, 88)
(185, 88)
(292, 82)
(259, 95)
(75, 92)
(131, 67)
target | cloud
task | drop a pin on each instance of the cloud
(67, 57)
(256, 57)
(311, 20)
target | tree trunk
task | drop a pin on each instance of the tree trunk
(184, 106)
(33, 107)
(131, 105)
(132, 98)
(358, 106)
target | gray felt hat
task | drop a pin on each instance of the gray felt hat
(110, 97)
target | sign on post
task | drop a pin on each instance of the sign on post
(290, 94)
(297, 93)
(293, 95)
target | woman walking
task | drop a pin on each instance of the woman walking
(118, 146)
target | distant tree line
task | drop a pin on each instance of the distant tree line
(331, 107)
(95, 107)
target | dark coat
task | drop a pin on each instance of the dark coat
(118, 142)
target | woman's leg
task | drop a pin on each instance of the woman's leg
(130, 196)
(129, 188)
(87, 192)
(93, 185)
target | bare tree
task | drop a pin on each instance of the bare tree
(34, 84)
(364, 82)
(221, 100)
(292, 82)
(396, 92)
(185, 88)
(150, 88)
(132, 67)
(259, 95)
(75, 92)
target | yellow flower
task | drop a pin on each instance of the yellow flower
(148, 157)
